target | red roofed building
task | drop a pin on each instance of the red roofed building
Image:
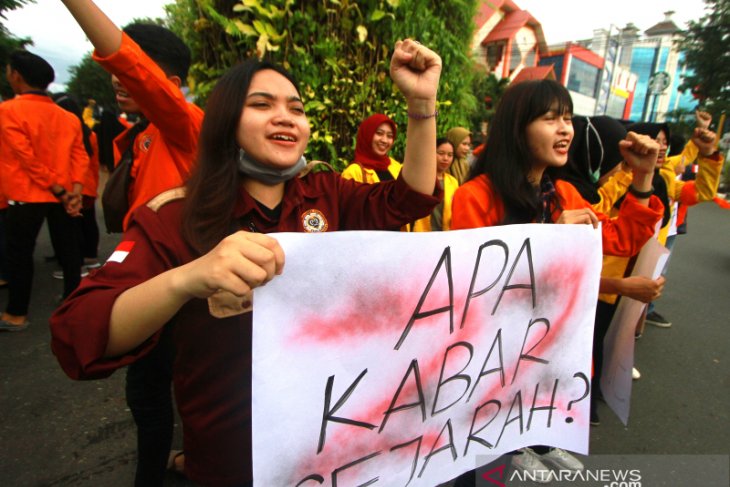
(507, 39)
(538, 72)
(510, 43)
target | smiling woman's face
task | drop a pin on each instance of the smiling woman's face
(383, 139)
(273, 128)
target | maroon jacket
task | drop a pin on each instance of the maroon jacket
(212, 372)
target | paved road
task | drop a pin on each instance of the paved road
(57, 432)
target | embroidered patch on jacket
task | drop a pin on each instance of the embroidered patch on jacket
(121, 252)
(313, 221)
(145, 143)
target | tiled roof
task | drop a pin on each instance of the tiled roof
(510, 24)
(537, 72)
(664, 27)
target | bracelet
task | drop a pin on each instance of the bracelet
(60, 194)
(640, 194)
(419, 116)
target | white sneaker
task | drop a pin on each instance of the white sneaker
(84, 271)
(635, 374)
(529, 462)
(562, 460)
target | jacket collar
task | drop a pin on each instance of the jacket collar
(295, 193)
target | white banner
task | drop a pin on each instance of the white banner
(408, 358)
(618, 345)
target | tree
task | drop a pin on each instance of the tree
(488, 90)
(8, 42)
(705, 45)
(90, 80)
(339, 51)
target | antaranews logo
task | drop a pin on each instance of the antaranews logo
(496, 470)
(609, 477)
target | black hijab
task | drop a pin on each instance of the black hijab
(593, 153)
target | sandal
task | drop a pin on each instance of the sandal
(175, 465)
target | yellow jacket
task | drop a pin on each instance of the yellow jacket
(363, 175)
(689, 193)
(449, 186)
(358, 173)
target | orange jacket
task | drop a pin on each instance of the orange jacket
(91, 181)
(165, 151)
(477, 204)
(40, 145)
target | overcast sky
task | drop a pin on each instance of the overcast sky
(58, 38)
(568, 20)
(61, 42)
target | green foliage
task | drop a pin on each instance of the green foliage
(707, 57)
(90, 80)
(12, 5)
(488, 90)
(339, 50)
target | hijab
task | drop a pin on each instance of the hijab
(364, 153)
(459, 167)
(660, 187)
(457, 135)
(593, 153)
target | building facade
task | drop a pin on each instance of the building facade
(617, 73)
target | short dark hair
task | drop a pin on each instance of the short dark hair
(444, 140)
(163, 47)
(34, 69)
(69, 103)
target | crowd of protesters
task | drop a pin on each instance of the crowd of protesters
(198, 192)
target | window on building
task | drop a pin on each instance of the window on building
(515, 57)
(642, 63)
(530, 58)
(556, 62)
(494, 54)
(583, 78)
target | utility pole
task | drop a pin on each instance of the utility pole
(610, 58)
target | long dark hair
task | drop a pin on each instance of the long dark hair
(506, 159)
(214, 185)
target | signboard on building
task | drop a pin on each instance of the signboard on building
(659, 82)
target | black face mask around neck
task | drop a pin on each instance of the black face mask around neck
(266, 174)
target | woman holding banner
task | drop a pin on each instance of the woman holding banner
(514, 181)
(191, 257)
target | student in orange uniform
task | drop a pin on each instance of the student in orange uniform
(514, 182)
(87, 226)
(43, 165)
(148, 64)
